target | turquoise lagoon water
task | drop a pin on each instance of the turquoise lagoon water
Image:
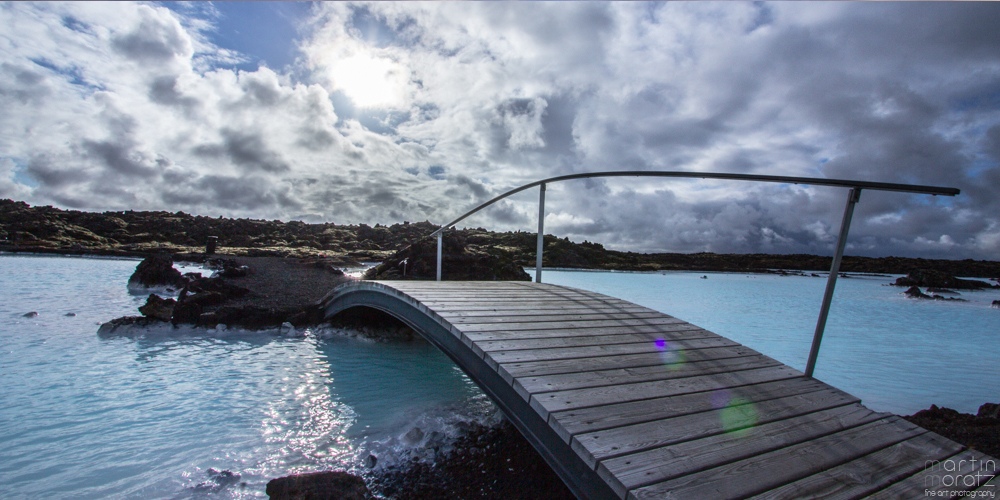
(152, 417)
(895, 353)
(157, 415)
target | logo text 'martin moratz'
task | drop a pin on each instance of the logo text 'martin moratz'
(950, 474)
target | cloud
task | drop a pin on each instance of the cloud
(412, 111)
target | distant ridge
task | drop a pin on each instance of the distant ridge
(24, 228)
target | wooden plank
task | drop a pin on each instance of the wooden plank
(717, 437)
(565, 381)
(597, 396)
(569, 324)
(535, 368)
(948, 478)
(538, 310)
(561, 317)
(582, 420)
(457, 299)
(452, 305)
(822, 412)
(678, 329)
(510, 344)
(869, 473)
(608, 349)
(761, 472)
(456, 291)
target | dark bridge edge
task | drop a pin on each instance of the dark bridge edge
(583, 481)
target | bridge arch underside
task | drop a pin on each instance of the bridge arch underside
(582, 480)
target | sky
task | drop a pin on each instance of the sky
(388, 112)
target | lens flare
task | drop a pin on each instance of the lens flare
(671, 357)
(739, 416)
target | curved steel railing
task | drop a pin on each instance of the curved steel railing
(853, 197)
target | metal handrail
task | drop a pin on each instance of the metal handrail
(852, 199)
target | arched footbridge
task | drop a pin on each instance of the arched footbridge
(626, 402)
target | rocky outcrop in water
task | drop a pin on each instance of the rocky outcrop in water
(915, 293)
(157, 270)
(460, 261)
(331, 485)
(158, 308)
(937, 279)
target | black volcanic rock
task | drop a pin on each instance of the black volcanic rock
(979, 432)
(915, 293)
(158, 308)
(938, 279)
(460, 261)
(157, 270)
(330, 485)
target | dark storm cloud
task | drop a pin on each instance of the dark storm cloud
(248, 193)
(478, 189)
(22, 84)
(163, 90)
(45, 169)
(246, 150)
(119, 157)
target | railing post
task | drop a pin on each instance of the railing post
(439, 255)
(541, 233)
(831, 281)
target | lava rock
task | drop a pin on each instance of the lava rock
(157, 270)
(915, 293)
(460, 261)
(937, 279)
(975, 431)
(158, 308)
(330, 485)
(989, 410)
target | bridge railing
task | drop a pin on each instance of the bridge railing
(854, 195)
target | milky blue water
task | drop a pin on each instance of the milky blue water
(152, 416)
(895, 353)
(88, 417)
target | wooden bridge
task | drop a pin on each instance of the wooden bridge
(627, 402)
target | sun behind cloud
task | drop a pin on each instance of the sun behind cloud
(371, 82)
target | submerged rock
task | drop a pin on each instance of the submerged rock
(330, 485)
(127, 326)
(915, 293)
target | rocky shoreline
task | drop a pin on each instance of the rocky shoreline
(24, 228)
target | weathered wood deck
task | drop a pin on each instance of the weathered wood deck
(627, 402)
